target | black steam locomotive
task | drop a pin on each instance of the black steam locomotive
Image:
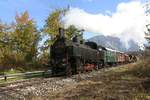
(76, 56)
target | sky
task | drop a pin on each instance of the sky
(40, 9)
(124, 19)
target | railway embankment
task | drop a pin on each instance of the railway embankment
(125, 82)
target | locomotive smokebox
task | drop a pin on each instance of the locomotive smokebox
(61, 32)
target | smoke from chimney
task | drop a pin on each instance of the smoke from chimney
(127, 23)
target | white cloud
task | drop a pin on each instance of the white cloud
(127, 22)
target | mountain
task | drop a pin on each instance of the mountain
(114, 43)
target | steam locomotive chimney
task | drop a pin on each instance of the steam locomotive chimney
(61, 32)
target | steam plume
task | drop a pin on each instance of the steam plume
(127, 23)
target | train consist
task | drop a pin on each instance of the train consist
(76, 56)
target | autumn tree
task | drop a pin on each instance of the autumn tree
(71, 31)
(54, 22)
(19, 42)
(26, 37)
(6, 46)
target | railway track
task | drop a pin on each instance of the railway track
(20, 90)
(25, 82)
